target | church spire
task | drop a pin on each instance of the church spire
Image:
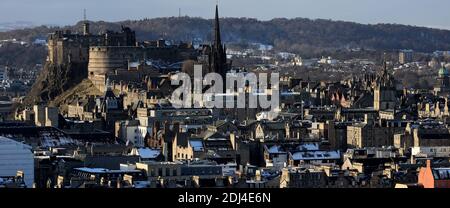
(218, 57)
(217, 40)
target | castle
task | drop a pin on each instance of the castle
(66, 47)
(105, 53)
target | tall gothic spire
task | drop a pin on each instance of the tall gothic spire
(217, 40)
(217, 57)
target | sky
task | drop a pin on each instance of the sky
(428, 13)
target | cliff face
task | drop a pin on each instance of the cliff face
(54, 80)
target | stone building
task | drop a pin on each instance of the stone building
(46, 116)
(371, 134)
(266, 130)
(302, 178)
(104, 60)
(423, 135)
(193, 174)
(337, 135)
(385, 91)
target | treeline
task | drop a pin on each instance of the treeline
(22, 56)
(299, 35)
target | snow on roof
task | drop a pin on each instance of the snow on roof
(317, 155)
(134, 64)
(147, 153)
(93, 170)
(141, 184)
(309, 147)
(197, 145)
(275, 149)
(104, 170)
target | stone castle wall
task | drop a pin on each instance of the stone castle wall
(104, 60)
(64, 47)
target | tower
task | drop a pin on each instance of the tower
(385, 91)
(443, 81)
(85, 24)
(218, 57)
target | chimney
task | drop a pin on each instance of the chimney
(166, 128)
(119, 182)
(176, 127)
(368, 119)
(156, 126)
(258, 175)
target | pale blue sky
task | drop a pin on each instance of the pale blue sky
(430, 13)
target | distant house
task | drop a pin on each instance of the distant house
(431, 177)
(369, 160)
(302, 178)
(310, 153)
(275, 156)
(81, 107)
(270, 131)
(223, 126)
(316, 157)
(373, 134)
(210, 145)
(219, 147)
(147, 154)
(296, 130)
(429, 135)
(181, 147)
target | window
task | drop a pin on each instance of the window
(174, 172)
(167, 171)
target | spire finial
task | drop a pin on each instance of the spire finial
(84, 15)
(217, 39)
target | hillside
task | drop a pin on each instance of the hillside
(55, 80)
(295, 35)
(84, 88)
